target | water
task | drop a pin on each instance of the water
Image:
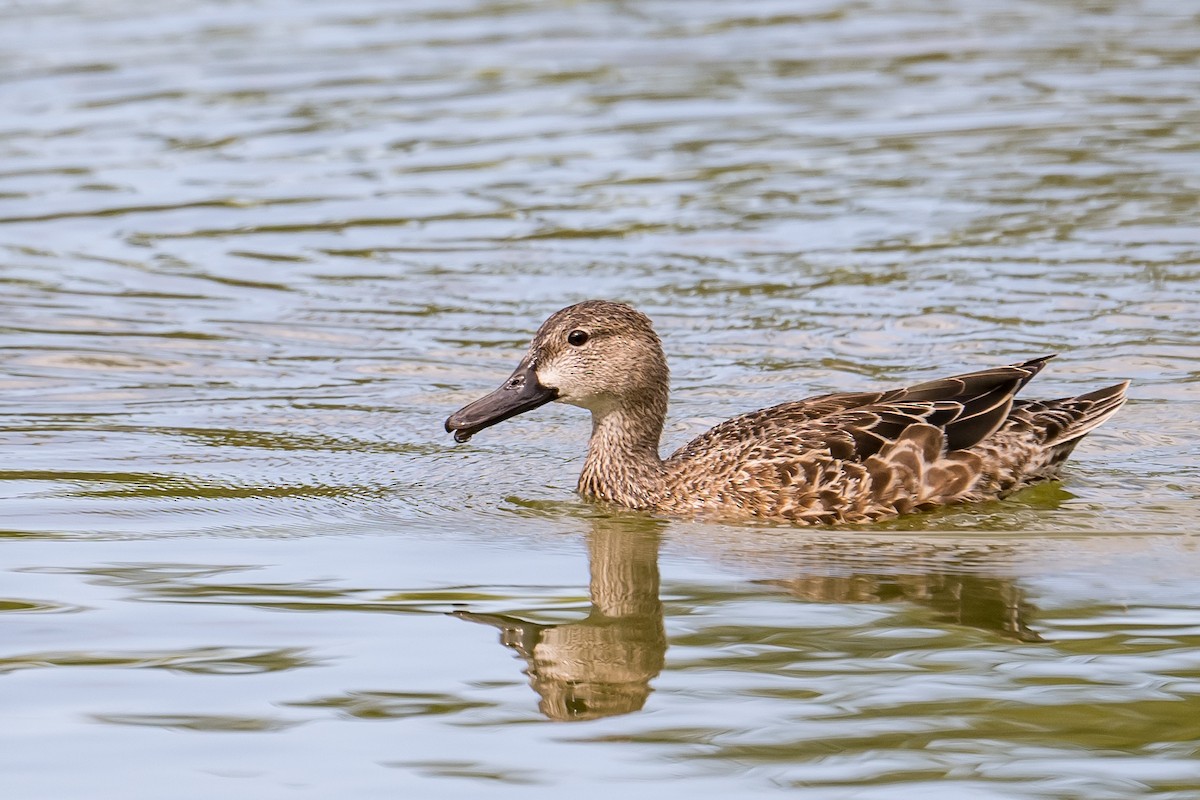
(253, 254)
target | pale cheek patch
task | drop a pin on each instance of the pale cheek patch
(569, 390)
(548, 376)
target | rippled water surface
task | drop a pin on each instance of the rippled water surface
(253, 253)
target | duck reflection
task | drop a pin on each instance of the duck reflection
(987, 603)
(602, 665)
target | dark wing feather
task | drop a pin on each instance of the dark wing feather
(853, 427)
(967, 408)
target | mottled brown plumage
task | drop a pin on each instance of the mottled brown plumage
(836, 458)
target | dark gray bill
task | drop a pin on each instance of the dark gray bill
(520, 393)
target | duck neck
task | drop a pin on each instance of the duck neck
(623, 464)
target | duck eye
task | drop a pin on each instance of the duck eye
(577, 338)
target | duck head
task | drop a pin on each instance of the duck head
(598, 355)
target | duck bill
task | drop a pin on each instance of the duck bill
(520, 393)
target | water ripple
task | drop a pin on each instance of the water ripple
(252, 254)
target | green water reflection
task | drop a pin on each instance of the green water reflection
(252, 254)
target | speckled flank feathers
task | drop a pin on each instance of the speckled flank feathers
(836, 458)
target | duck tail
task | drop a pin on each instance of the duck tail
(1068, 420)
(1089, 411)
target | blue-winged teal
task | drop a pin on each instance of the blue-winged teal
(836, 458)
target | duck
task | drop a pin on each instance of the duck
(833, 459)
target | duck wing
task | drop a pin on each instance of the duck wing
(855, 426)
